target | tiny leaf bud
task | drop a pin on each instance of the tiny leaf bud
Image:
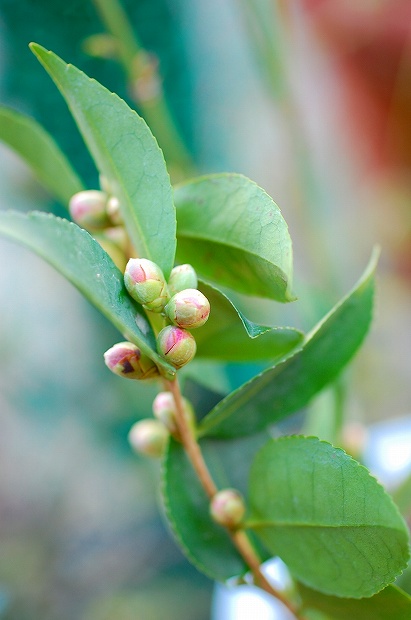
(148, 437)
(164, 409)
(188, 309)
(111, 241)
(126, 360)
(105, 185)
(176, 345)
(227, 508)
(182, 277)
(145, 282)
(88, 209)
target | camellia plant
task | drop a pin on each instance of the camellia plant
(153, 259)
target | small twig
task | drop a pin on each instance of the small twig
(189, 442)
(239, 537)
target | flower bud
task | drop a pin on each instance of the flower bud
(188, 309)
(145, 282)
(88, 209)
(176, 345)
(182, 277)
(111, 241)
(126, 360)
(164, 409)
(148, 437)
(113, 211)
(227, 508)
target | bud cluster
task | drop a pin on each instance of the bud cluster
(179, 300)
(98, 212)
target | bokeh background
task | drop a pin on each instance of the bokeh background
(311, 99)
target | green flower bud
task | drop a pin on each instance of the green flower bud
(182, 277)
(164, 409)
(126, 360)
(176, 345)
(113, 211)
(227, 508)
(188, 309)
(145, 282)
(148, 437)
(88, 209)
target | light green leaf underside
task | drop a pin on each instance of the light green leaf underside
(392, 603)
(234, 235)
(80, 259)
(324, 515)
(206, 544)
(41, 153)
(228, 335)
(126, 153)
(289, 385)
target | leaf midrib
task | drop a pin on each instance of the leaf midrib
(327, 526)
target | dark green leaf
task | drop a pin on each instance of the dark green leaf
(126, 153)
(38, 149)
(326, 517)
(389, 604)
(228, 335)
(288, 386)
(80, 259)
(206, 544)
(233, 234)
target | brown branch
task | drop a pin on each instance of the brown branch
(239, 537)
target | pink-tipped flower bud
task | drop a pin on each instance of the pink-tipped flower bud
(176, 345)
(148, 437)
(165, 410)
(145, 282)
(188, 309)
(227, 508)
(88, 209)
(126, 360)
(182, 277)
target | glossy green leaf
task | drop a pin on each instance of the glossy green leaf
(289, 385)
(126, 153)
(326, 517)
(38, 149)
(206, 544)
(234, 235)
(392, 603)
(228, 335)
(80, 259)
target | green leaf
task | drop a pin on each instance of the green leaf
(402, 496)
(228, 335)
(234, 235)
(326, 517)
(289, 385)
(389, 604)
(206, 544)
(126, 153)
(38, 149)
(80, 259)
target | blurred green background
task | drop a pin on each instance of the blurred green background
(311, 100)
